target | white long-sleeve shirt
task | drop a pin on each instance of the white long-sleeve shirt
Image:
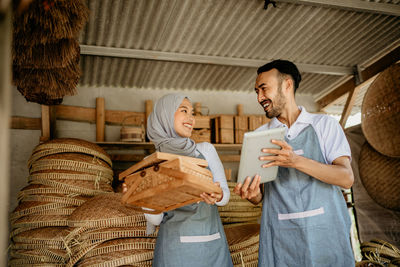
(217, 170)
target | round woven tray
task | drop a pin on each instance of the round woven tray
(380, 119)
(117, 258)
(33, 207)
(105, 210)
(56, 198)
(121, 244)
(64, 145)
(57, 175)
(380, 176)
(44, 237)
(25, 262)
(41, 255)
(38, 221)
(242, 236)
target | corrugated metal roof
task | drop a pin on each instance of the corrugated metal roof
(236, 29)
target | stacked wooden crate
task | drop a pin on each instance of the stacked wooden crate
(202, 129)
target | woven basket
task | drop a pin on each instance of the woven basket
(380, 176)
(63, 145)
(122, 244)
(380, 119)
(380, 251)
(132, 133)
(242, 236)
(117, 258)
(104, 210)
(41, 255)
(47, 237)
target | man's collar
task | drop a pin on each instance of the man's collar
(304, 117)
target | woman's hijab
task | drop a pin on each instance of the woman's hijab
(160, 127)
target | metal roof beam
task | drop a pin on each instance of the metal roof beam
(354, 5)
(216, 60)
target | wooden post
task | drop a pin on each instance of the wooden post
(197, 108)
(100, 119)
(148, 110)
(349, 105)
(45, 123)
(239, 109)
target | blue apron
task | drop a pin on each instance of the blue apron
(193, 236)
(304, 222)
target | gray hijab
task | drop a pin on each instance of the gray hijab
(160, 127)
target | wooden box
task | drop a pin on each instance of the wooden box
(241, 126)
(165, 181)
(256, 121)
(223, 129)
(202, 129)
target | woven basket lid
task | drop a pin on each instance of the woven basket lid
(40, 189)
(56, 198)
(71, 175)
(41, 255)
(45, 235)
(121, 244)
(34, 207)
(76, 186)
(236, 235)
(117, 258)
(104, 210)
(380, 176)
(380, 119)
(38, 221)
(26, 262)
(63, 145)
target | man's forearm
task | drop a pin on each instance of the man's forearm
(336, 174)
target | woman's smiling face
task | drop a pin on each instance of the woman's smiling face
(184, 119)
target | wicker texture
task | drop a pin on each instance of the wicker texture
(380, 119)
(380, 176)
(64, 174)
(243, 243)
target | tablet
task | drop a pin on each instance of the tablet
(253, 142)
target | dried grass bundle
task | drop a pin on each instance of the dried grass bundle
(59, 54)
(48, 21)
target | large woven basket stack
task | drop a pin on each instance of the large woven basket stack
(106, 233)
(243, 243)
(239, 210)
(379, 161)
(46, 50)
(64, 173)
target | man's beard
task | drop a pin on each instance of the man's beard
(278, 105)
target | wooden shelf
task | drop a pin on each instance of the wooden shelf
(149, 145)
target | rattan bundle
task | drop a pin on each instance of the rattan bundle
(103, 228)
(381, 252)
(243, 243)
(380, 176)
(380, 119)
(239, 210)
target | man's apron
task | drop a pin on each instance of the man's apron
(304, 222)
(192, 236)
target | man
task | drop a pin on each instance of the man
(304, 220)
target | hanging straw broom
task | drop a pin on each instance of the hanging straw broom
(45, 56)
(47, 21)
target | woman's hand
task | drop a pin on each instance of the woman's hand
(212, 198)
(124, 188)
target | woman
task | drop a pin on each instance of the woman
(192, 235)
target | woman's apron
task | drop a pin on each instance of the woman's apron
(192, 236)
(304, 222)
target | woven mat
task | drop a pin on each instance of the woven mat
(380, 176)
(380, 120)
(64, 145)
